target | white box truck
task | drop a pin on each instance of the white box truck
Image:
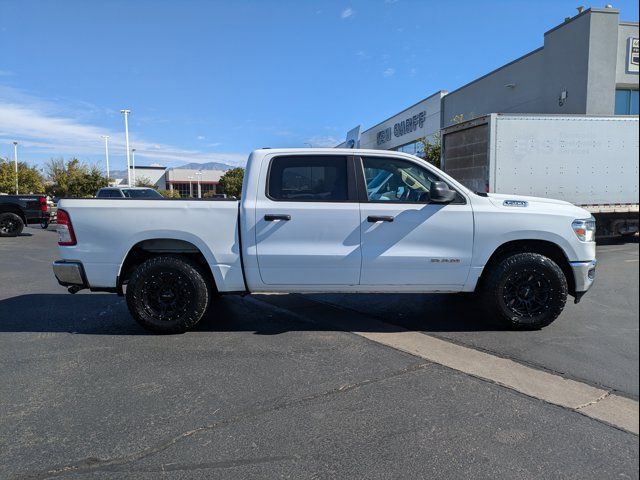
(590, 161)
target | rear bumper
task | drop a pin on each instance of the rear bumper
(584, 274)
(70, 274)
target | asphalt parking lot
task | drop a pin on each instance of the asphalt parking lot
(259, 392)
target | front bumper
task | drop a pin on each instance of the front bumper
(69, 274)
(584, 274)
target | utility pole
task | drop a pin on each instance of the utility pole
(15, 161)
(106, 154)
(133, 165)
(126, 141)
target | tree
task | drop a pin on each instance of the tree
(144, 182)
(29, 178)
(169, 193)
(231, 182)
(432, 149)
(74, 178)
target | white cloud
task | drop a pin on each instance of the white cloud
(389, 72)
(201, 137)
(323, 141)
(44, 127)
(347, 12)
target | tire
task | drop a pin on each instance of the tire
(168, 294)
(524, 291)
(44, 224)
(11, 225)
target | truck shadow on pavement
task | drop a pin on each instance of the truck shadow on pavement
(103, 314)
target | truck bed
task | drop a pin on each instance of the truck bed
(210, 225)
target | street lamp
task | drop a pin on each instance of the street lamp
(126, 140)
(199, 174)
(190, 187)
(15, 161)
(133, 165)
(106, 154)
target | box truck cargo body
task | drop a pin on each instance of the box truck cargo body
(590, 161)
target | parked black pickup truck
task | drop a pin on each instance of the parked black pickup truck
(16, 211)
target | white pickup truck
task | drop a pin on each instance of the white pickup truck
(330, 220)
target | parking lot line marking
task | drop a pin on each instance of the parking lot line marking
(596, 403)
(634, 260)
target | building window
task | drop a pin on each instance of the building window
(186, 192)
(626, 102)
(414, 148)
(207, 187)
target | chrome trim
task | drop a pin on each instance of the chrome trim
(584, 274)
(69, 273)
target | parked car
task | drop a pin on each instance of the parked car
(308, 222)
(16, 211)
(128, 192)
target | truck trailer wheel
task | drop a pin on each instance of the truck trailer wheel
(11, 225)
(168, 294)
(525, 291)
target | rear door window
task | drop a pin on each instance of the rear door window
(308, 179)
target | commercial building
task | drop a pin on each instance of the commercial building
(193, 183)
(188, 183)
(153, 174)
(587, 65)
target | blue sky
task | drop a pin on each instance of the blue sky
(210, 81)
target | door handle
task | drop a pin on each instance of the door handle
(270, 217)
(374, 219)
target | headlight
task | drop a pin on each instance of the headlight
(585, 229)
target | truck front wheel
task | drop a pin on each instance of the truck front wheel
(168, 294)
(525, 291)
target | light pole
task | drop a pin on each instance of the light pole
(133, 165)
(15, 161)
(106, 154)
(190, 187)
(126, 140)
(199, 174)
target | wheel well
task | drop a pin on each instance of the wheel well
(142, 251)
(13, 209)
(542, 247)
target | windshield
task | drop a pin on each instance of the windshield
(141, 193)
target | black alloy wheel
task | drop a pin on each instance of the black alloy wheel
(11, 225)
(525, 291)
(168, 294)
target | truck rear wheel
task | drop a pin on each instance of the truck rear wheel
(11, 225)
(525, 291)
(168, 294)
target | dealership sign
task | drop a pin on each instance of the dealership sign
(634, 53)
(408, 125)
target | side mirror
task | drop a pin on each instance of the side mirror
(441, 193)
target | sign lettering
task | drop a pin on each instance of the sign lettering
(408, 125)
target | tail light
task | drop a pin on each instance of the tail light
(487, 189)
(43, 204)
(66, 236)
